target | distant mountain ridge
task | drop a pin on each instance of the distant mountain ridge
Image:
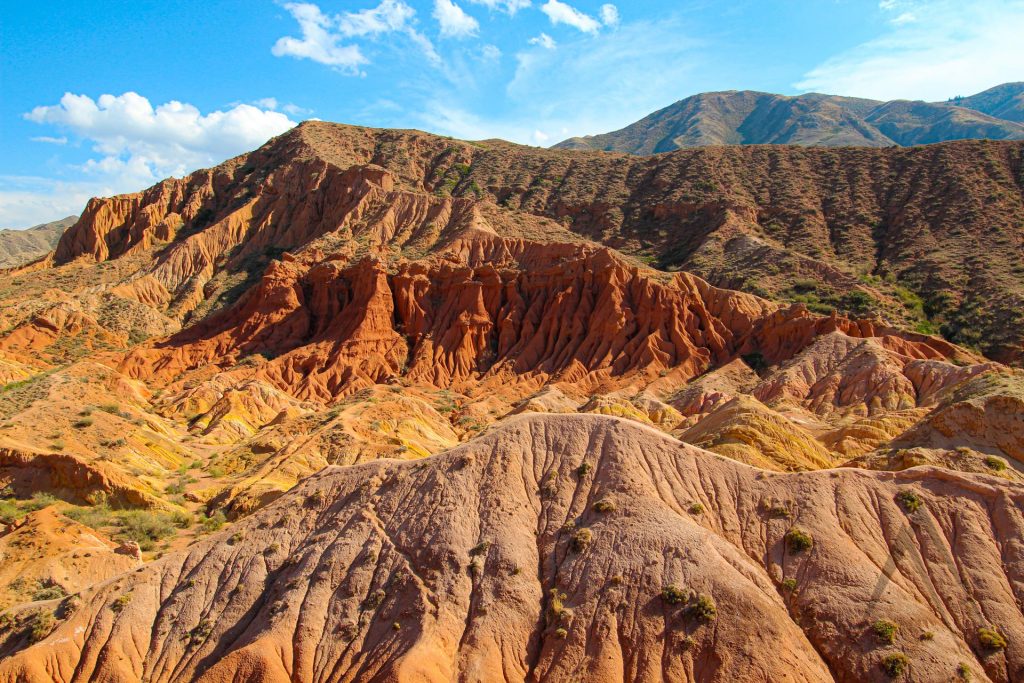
(18, 247)
(745, 117)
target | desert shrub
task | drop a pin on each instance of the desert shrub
(994, 463)
(213, 522)
(928, 635)
(798, 540)
(57, 445)
(480, 548)
(885, 631)
(702, 608)
(111, 408)
(963, 672)
(895, 664)
(10, 512)
(43, 622)
(201, 631)
(789, 585)
(145, 527)
(561, 633)
(581, 539)
(120, 603)
(909, 501)
(83, 423)
(583, 470)
(992, 638)
(604, 505)
(674, 595)
(374, 600)
(38, 501)
(696, 508)
(395, 626)
(53, 592)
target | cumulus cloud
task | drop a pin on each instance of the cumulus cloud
(139, 144)
(562, 13)
(947, 48)
(544, 40)
(509, 6)
(26, 201)
(609, 15)
(454, 22)
(329, 39)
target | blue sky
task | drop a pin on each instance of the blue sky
(110, 96)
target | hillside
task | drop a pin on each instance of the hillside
(756, 118)
(379, 405)
(18, 247)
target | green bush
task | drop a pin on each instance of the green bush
(789, 585)
(702, 608)
(995, 464)
(604, 505)
(798, 540)
(992, 639)
(42, 624)
(910, 501)
(581, 539)
(213, 522)
(696, 508)
(885, 630)
(673, 594)
(583, 470)
(895, 664)
(145, 527)
(83, 423)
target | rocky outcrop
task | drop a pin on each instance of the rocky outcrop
(518, 573)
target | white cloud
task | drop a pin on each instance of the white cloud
(454, 22)
(540, 137)
(545, 41)
(951, 49)
(323, 35)
(509, 6)
(29, 201)
(609, 15)
(490, 52)
(138, 144)
(888, 4)
(905, 18)
(318, 43)
(62, 140)
(561, 13)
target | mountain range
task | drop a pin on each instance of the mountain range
(756, 118)
(379, 405)
(18, 247)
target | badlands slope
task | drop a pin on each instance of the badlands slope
(320, 412)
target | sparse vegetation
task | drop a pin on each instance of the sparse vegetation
(673, 594)
(885, 631)
(120, 603)
(963, 672)
(604, 505)
(583, 470)
(43, 623)
(995, 464)
(798, 540)
(561, 633)
(991, 638)
(83, 423)
(696, 508)
(789, 585)
(581, 539)
(895, 664)
(702, 608)
(909, 501)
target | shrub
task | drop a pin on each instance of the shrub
(755, 361)
(991, 639)
(885, 630)
(145, 527)
(673, 595)
(111, 408)
(583, 470)
(480, 548)
(374, 600)
(213, 522)
(909, 501)
(702, 608)
(604, 505)
(201, 632)
(789, 585)
(561, 633)
(42, 624)
(964, 672)
(928, 635)
(581, 539)
(798, 540)
(895, 664)
(395, 626)
(696, 508)
(39, 500)
(995, 464)
(83, 423)
(53, 592)
(120, 603)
